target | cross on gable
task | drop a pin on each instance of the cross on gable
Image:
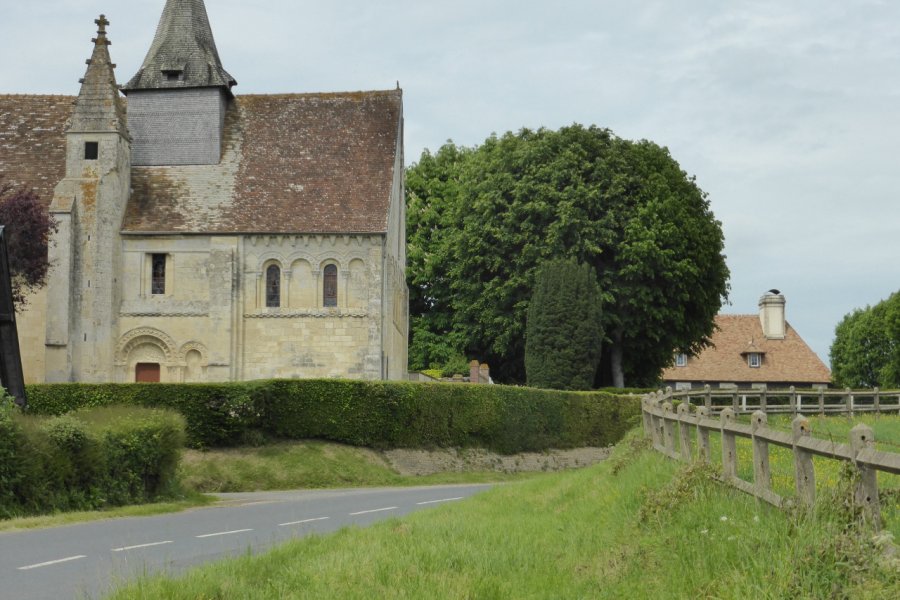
(102, 22)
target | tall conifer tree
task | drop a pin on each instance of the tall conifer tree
(563, 332)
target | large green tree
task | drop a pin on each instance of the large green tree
(866, 348)
(563, 331)
(480, 221)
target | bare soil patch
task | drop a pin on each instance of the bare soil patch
(426, 462)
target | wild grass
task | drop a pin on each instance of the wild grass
(636, 526)
(827, 472)
(310, 464)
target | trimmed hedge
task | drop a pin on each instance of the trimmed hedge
(87, 459)
(216, 414)
(369, 413)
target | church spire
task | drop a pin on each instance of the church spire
(99, 107)
(183, 53)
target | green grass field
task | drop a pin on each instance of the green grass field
(636, 526)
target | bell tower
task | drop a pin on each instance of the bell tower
(178, 98)
(89, 203)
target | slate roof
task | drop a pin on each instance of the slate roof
(784, 361)
(293, 163)
(183, 42)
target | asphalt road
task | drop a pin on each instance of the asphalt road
(89, 559)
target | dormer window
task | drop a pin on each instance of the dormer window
(681, 359)
(754, 359)
(172, 75)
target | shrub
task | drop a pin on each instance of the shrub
(87, 459)
(377, 414)
(215, 414)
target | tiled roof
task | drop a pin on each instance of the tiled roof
(784, 361)
(184, 43)
(32, 141)
(294, 163)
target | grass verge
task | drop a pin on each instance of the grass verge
(636, 526)
(304, 465)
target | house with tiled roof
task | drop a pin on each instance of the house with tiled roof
(750, 351)
(208, 236)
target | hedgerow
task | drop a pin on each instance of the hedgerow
(368, 413)
(87, 459)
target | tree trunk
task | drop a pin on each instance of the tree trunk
(615, 358)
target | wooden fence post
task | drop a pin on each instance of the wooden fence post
(849, 393)
(645, 415)
(729, 447)
(866, 495)
(707, 397)
(877, 398)
(684, 433)
(734, 402)
(804, 474)
(656, 420)
(668, 428)
(702, 435)
(793, 401)
(762, 475)
(763, 402)
(821, 401)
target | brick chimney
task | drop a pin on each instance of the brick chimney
(771, 314)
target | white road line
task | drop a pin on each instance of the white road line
(258, 503)
(124, 548)
(436, 501)
(52, 562)
(365, 512)
(303, 521)
(222, 533)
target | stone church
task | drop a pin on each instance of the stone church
(205, 236)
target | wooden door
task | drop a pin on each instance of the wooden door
(146, 372)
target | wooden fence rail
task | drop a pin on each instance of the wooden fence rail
(794, 401)
(660, 422)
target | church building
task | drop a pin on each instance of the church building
(208, 236)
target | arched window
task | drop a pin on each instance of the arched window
(329, 291)
(273, 286)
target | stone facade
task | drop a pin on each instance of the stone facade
(270, 241)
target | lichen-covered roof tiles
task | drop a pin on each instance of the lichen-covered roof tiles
(785, 361)
(293, 163)
(32, 141)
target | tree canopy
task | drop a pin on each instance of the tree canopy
(865, 352)
(563, 331)
(28, 227)
(481, 220)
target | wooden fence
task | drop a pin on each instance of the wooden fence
(661, 421)
(795, 401)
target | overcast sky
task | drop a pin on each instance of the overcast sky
(787, 112)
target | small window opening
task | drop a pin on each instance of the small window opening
(754, 360)
(273, 286)
(172, 75)
(330, 286)
(91, 150)
(681, 359)
(158, 274)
